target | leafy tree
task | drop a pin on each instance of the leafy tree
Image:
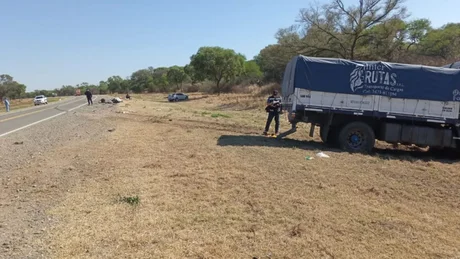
(4, 79)
(115, 84)
(93, 88)
(10, 88)
(18, 90)
(176, 75)
(84, 85)
(160, 78)
(272, 61)
(194, 76)
(142, 79)
(217, 64)
(40, 92)
(443, 42)
(125, 85)
(66, 90)
(385, 41)
(103, 87)
(251, 69)
(417, 30)
(252, 72)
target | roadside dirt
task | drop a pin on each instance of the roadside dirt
(196, 180)
(34, 175)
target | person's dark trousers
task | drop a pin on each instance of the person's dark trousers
(276, 116)
(90, 100)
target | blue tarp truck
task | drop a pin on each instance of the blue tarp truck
(356, 102)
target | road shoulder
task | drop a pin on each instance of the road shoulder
(32, 179)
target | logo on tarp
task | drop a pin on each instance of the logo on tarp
(375, 79)
(456, 95)
(356, 78)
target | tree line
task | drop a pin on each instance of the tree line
(367, 30)
(10, 88)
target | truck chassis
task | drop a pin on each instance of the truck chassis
(356, 132)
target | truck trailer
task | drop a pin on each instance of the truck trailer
(356, 102)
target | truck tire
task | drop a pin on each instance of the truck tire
(357, 137)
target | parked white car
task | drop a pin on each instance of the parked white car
(40, 99)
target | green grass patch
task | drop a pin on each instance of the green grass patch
(217, 115)
(131, 200)
(205, 113)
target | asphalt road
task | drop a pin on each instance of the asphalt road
(20, 119)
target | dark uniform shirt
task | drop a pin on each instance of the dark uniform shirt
(275, 104)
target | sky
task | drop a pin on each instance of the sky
(45, 44)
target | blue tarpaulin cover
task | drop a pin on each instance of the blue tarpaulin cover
(371, 78)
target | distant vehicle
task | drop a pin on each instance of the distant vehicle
(175, 97)
(40, 99)
(77, 92)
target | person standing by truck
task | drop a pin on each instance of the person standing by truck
(273, 108)
(89, 96)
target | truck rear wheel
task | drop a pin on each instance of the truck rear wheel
(357, 137)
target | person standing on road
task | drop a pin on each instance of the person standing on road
(273, 108)
(7, 104)
(89, 96)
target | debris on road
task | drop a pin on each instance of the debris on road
(19, 142)
(111, 130)
(117, 100)
(111, 101)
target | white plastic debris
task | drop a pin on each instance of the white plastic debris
(117, 100)
(322, 155)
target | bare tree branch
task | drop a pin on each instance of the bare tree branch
(316, 24)
(341, 6)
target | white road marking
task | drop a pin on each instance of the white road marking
(37, 122)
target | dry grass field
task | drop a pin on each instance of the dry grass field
(196, 179)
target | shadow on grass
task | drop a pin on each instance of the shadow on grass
(263, 141)
(387, 154)
(237, 107)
